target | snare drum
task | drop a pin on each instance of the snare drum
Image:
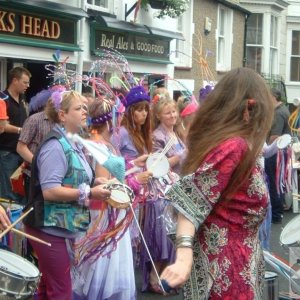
(158, 164)
(121, 195)
(18, 277)
(290, 233)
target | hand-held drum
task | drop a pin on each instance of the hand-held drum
(290, 234)
(121, 195)
(158, 164)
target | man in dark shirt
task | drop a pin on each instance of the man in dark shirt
(18, 82)
(279, 127)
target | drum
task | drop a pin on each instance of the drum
(158, 164)
(18, 277)
(121, 195)
(284, 141)
(271, 287)
(290, 233)
(14, 212)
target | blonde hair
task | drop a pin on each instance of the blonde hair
(67, 99)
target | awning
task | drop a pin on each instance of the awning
(109, 22)
(48, 7)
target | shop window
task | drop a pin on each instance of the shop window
(295, 57)
(224, 38)
(254, 50)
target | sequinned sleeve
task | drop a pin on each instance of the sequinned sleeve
(195, 195)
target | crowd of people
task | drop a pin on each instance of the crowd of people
(215, 186)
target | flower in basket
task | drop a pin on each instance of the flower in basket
(169, 8)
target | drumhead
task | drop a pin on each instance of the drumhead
(158, 168)
(283, 141)
(290, 233)
(120, 193)
(270, 275)
(17, 265)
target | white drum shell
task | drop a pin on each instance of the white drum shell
(290, 233)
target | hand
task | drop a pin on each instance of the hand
(177, 274)
(141, 160)
(100, 180)
(143, 177)
(99, 193)
(4, 220)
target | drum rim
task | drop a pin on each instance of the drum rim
(23, 259)
(129, 193)
(164, 158)
(283, 232)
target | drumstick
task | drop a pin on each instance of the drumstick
(31, 237)
(296, 195)
(145, 244)
(3, 233)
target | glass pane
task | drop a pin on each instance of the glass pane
(221, 24)
(273, 61)
(273, 32)
(296, 43)
(255, 29)
(254, 57)
(295, 69)
(221, 51)
(90, 1)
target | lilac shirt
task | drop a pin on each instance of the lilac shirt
(123, 142)
(160, 140)
(52, 163)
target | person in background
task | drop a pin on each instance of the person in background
(222, 197)
(187, 106)
(3, 116)
(4, 220)
(10, 160)
(34, 130)
(165, 117)
(110, 276)
(60, 188)
(133, 141)
(280, 126)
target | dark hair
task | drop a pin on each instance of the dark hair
(141, 139)
(17, 73)
(276, 93)
(222, 117)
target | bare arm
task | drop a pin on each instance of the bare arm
(24, 152)
(12, 129)
(66, 194)
(178, 273)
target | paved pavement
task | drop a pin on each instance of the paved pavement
(275, 246)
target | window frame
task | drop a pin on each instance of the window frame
(224, 58)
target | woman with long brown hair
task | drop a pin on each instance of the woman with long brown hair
(222, 198)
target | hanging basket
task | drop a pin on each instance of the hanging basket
(158, 4)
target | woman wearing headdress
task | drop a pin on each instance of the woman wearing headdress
(134, 143)
(61, 184)
(165, 116)
(109, 276)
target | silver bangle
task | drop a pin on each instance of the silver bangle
(184, 241)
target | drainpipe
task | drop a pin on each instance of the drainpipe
(80, 33)
(245, 40)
